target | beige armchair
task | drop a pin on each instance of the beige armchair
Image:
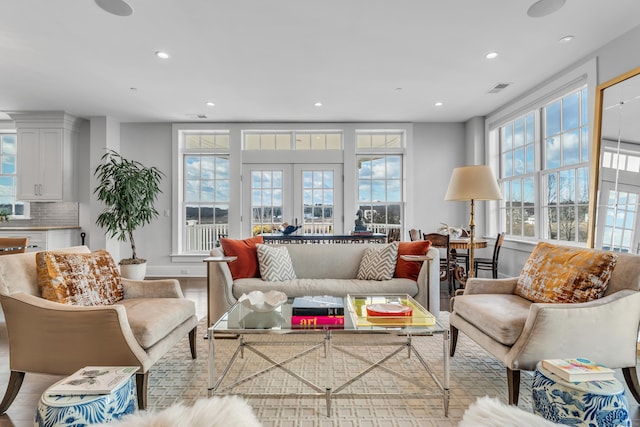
(53, 338)
(521, 333)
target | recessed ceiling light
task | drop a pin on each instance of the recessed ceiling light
(210, 104)
(566, 39)
(318, 104)
(544, 7)
(491, 55)
(438, 104)
(162, 55)
(398, 89)
(133, 89)
(115, 7)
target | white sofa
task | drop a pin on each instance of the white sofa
(322, 269)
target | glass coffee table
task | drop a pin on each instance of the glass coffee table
(245, 325)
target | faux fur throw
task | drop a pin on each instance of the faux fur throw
(490, 412)
(227, 411)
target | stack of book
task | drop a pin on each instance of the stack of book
(578, 370)
(93, 380)
(317, 312)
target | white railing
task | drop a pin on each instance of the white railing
(203, 237)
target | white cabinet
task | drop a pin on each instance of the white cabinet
(45, 240)
(46, 152)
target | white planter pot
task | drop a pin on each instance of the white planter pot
(133, 271)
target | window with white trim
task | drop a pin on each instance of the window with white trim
(544, 170)
(8, 176)
(380, 179)
(205, 192)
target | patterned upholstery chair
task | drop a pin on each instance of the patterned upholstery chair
(521, 332)
(49, 337)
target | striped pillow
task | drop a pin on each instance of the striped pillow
(378, 262)
(275, 263)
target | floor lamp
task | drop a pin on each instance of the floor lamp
(471, 183)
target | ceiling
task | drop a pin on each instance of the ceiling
(257, 60)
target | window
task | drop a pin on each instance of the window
(266, 201)
(292, 140)
(205, 190)
(8, 177)
(544, 170)
(379, 166)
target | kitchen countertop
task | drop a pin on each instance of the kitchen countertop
(39, 228)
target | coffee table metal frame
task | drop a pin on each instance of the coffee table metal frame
(229, 327)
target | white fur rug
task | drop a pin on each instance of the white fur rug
(227, 411)
(490, 412)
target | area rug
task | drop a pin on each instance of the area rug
(474, 373)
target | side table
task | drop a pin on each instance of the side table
(208, 260)
(587, 403)
(71, 410)
(427, 280)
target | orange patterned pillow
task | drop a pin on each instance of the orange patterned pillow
(79, 278)
(562, 274)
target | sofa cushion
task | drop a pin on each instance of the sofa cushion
(275, 263)
(152, 319)
(378, 262)
(501, 316)
(410, 269)
(335, 287)
(79, 278)
(563, 274)
(247, 263)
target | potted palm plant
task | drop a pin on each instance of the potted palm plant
(129, 190)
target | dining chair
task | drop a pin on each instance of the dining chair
(447, 269)
(414, 235)
(393, 235)
(13, 245)
(490, 264)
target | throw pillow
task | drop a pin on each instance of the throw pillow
(378, 262)
(410, 269)
(79, 278)
(247, 263)
(275, 263)
(562, 274)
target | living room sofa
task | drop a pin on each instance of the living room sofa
(49, 337)
(322, 269)
(521, 333)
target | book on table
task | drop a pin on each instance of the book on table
(317, 306)
(578, 369)
(93, 380)
(317, 322)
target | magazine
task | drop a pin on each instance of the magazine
(93, 380)
(577, 370)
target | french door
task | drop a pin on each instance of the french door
(305, 195)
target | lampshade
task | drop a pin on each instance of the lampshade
(473, 183)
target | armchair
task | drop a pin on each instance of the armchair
(521, 333)
(52, 338)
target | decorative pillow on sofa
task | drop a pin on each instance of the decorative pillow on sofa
(275, 263)
(79, 278)
(562, 274)
(410, 269)
(378, 262)
(247, 263)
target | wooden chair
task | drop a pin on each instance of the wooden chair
(490, 264)
(393, 235)
(414, 235)
(447, 269)
(13, 245)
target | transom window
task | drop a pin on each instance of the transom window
(292, 140)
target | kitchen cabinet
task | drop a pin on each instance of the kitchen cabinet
(46, 239)
(46, 152)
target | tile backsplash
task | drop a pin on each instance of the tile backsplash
(49, 214)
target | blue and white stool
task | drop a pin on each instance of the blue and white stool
(588, 403)
(59, 411)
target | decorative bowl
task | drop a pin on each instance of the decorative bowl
(263, 302)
